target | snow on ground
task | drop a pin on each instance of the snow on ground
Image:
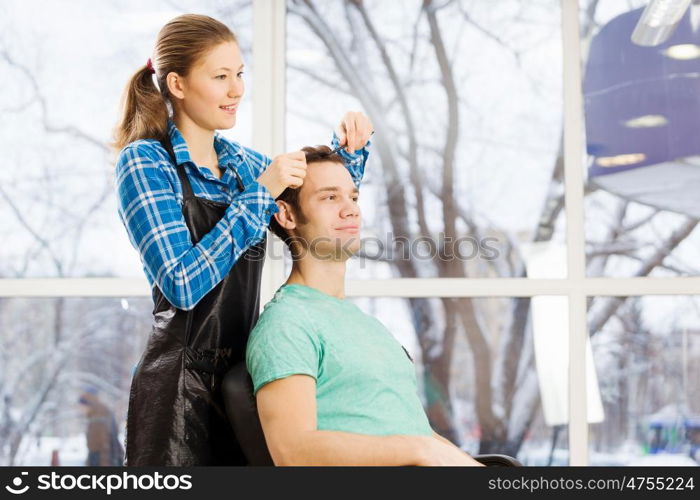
(73, 451)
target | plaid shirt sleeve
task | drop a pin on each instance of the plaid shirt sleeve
(355, 162)
(153, 218)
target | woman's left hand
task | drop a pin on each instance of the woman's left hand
(354, 131)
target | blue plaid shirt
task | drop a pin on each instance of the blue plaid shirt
(150, 207)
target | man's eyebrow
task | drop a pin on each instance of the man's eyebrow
(335, 189)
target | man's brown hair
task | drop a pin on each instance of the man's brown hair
(291, 195)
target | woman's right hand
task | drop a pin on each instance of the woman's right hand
(439, 453)
(286, 170)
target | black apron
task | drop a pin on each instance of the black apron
(176, 412)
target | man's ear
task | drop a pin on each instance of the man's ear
(176, 85)
(285, 217)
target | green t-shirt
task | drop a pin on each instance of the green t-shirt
(365, 382)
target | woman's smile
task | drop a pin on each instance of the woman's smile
(231, 109)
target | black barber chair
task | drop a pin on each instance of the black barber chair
(243, 414)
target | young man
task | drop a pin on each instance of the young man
(333, 387)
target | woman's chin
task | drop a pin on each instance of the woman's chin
(224, 123)
(227, 124)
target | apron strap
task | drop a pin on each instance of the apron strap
(187, 192)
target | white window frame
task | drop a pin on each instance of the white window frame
(269, 120)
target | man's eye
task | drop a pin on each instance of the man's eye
(240, 75)
(355, 199)
(221, 77)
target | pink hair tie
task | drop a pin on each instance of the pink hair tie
(149, 65)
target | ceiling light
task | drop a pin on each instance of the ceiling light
(646, 121)
(620, 160)
(684, 52)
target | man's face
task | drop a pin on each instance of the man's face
(329, 225)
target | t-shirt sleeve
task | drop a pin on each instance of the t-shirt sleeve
(280, 345)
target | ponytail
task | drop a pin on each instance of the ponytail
(144, 111)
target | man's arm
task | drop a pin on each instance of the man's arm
(450, 443)
(287, 409)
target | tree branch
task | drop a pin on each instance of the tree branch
(656, 259)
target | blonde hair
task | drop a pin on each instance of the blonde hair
(179, 46)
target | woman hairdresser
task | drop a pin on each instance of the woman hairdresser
(197, 207)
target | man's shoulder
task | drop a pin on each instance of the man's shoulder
(283, 328)
(279, 310)
(282, 312)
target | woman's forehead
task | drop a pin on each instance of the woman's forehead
(224, 55)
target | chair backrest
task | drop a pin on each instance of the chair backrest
(237, 389)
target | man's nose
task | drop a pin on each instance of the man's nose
(350, 209)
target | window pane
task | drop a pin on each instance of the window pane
(647, 355)
(642, 110)
(492, 372)
(59, 104)
(60, 349)
(465, 173)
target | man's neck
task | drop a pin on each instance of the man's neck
(200, 142)
(326, 276)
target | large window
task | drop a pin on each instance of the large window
(642, 106)
(530, 210)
